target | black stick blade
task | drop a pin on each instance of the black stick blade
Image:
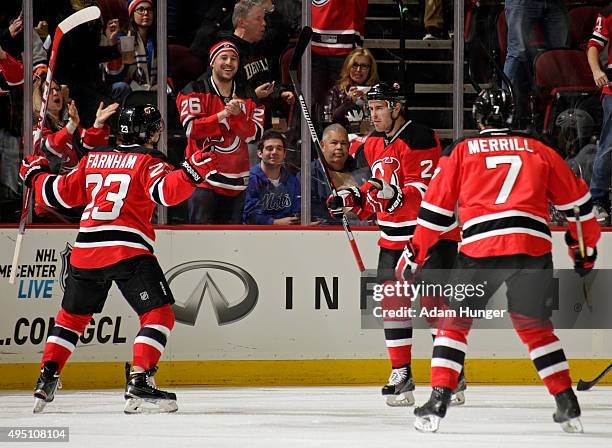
(300, 47)
(582, 385)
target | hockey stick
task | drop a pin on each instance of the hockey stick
(586, 385)
(300, 48)
(78, 18)
(585, 291)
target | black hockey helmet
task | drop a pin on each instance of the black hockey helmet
(493, 107)
(384, 91)
(138, 123)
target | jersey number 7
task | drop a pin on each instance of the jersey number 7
(515, 163)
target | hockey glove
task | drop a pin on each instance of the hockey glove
(199, 166)
(382, 196)
(582, 265)
(32, 166)
(346, 200)
(408, 264)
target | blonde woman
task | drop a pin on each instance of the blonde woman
(346, 100)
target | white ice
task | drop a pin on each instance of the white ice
(294, 417)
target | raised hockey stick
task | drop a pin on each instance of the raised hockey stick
(300, 48)
(586, 385)
(78, 18)
(585, 291)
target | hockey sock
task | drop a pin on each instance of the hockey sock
(545, 351)
(150, 342)
(63, 337)
(430, 304)
(398, 329)
(448, 354)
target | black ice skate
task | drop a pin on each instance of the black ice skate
(48, 382)
(429, 415)
(398, 392)
(140, 389)
(568, 411)
(458, 397)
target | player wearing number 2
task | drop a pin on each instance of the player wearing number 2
(402, 156)
(119, 189)
(502, 182)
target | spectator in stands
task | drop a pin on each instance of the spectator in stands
(346, 100)
(339, 28)
(216, 17)
(343, 168)
(219, 115)
(273, 195)
(249, 30)
(79, 58)
(522, 17)
(601, 175)
(141, 72)
(65, 141)
(434, 20)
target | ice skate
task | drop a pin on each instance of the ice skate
(568, 411)
(47, 384)
(398, 392)
(141, 392)
(429, 415)
(458, 396)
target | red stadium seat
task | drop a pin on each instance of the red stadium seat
(560, 71)
(183, 66)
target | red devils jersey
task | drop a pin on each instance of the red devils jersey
(199, 104)
(338, 25)
(600, 36)
(12, 70)
(119, 190)
(69, 147)
(408, 161)
(503, 182)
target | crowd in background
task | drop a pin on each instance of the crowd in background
(228, 90)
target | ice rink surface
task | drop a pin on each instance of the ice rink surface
(294, 417)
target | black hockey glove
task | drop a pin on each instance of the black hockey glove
(32, 166)
(582, 265)
(384, 197)
(199, 166)
(347, 199)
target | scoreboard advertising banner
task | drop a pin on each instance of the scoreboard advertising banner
(259, 295)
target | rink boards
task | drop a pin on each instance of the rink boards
(256, 307)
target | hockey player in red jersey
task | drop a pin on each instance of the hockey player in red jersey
(503, 182)
(219, 115)
(402, 156)
(119, 189)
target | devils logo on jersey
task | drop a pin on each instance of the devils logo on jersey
(386, 169)
(319, 2)
(226, 137)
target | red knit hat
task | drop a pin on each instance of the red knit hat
(134, 4)
(222, 47)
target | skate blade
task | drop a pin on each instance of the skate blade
(430, 423)
(458, 399)
(143, 406)
(39, 405)
(403, 399)
(572, 426)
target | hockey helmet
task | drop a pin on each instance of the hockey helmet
(493, 107)
(138, 123)
(384, 91)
